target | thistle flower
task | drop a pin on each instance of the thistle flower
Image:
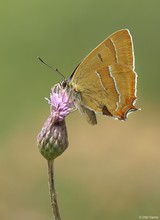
(61, 102)
(53, 138)
(52, 141)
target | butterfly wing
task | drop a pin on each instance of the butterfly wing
(88, 114)
(105, 79)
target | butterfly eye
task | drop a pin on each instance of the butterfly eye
(64, 84)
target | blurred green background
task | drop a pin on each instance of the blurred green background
(110, 171)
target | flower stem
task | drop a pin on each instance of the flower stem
(51, 185)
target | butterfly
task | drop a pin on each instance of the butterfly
(105, 81)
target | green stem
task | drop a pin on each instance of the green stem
(52, 191)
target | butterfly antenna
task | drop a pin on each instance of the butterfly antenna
(56, 70)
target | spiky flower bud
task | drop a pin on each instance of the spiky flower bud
(53, 140)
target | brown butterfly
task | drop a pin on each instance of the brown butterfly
(105, 81)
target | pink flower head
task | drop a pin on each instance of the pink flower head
(61, 102)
